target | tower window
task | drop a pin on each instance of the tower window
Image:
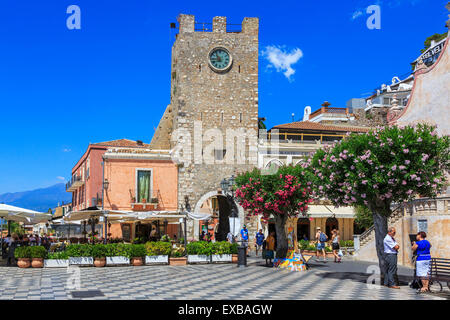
(199, 68)
(240, 117)
(221, 115)
(239, 67)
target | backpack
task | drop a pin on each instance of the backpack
(323, 237)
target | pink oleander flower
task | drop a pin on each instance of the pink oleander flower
(405, 150)
(407, 162)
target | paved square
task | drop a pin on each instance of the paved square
(345, 281)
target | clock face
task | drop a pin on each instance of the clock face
(220, 59)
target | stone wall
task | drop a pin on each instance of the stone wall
(208, 100)
(372, 118)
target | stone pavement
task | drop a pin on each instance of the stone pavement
(346, 281)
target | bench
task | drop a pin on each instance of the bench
(440, 271)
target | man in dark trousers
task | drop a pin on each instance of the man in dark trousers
(391, 248)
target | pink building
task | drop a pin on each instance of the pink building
(87, 174)
(130, 177)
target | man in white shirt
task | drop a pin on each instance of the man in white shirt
(391, 248)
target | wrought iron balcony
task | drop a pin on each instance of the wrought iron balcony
(74, 183)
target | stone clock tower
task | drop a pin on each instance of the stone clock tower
(214, 88)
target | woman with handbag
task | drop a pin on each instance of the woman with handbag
(335, 245)
(422, 248)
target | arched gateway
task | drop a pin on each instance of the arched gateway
(224, 213)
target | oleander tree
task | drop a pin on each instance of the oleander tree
(282, 195)
(380, 169)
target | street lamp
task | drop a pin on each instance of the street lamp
(227, 185)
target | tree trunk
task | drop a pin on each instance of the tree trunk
(380, 222)
(282, 244)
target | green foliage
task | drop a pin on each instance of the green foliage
(137, 251)
(62, 255)
(79, 250)
(158, 248)
(363, 216)
(221, 247)
(99, 251)
(199, 248)
(386, 165)
(38, 252)
(346, 243)
(234, 248)
(436, 37)
(165, 238)
(117, 249)
(283, 193)
(178, 252)
(22, 252)
(303, 244)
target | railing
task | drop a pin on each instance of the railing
(73, 180)
(328, 110)
(300, 137)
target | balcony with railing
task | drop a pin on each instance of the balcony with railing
(329, 112)
(153, 203)
(313, 138)
(74, 183)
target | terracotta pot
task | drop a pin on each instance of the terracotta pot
(178, 261)
(37, 262)
(23, 262)
(137, 261)
(234, 258)
(99, 262)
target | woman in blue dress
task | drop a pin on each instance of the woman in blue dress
(422, 248)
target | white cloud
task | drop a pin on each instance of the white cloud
(61, 178)
(66, 150)
(282, 60)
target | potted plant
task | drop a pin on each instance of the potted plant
(177, 257)
(198, 252)
(38, 254)
(221, 251)
(23, 256)
(57, 260)
(80, 254)
(99, 255)
(234, 252)
(157, 252)
(117, 254)
(136, 254)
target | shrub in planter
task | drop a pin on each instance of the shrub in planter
(158, 248)
(117, 253)
(38, 253)
(177, 257)
(57, 260)
(23, 256)
(99, 255)
(303, 244)
(136, 254)
(221, 251)
(80, 254)
(157, 252)
(199, 251)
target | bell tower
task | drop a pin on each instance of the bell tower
(214, 91)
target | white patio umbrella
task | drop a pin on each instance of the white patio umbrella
(12, 213)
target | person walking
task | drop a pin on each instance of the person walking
(321, 238)
(13, 243)
(259, 239)
(422, 248)
(244, 238)
(335, 245)
(391, 248)
(270, 248)
(230, 237)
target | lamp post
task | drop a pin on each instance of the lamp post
(105, 188)
(227, 186)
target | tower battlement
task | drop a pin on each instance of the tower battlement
(187, 24)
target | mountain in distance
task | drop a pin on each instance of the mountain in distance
(40, 199)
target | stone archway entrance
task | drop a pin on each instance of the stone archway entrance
(331, 223)
(218, 205)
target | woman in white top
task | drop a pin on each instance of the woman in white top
(335, 245)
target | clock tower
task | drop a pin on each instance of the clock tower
(214, 92)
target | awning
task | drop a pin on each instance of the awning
(27, 216)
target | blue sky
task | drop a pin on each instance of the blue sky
(61, 89)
